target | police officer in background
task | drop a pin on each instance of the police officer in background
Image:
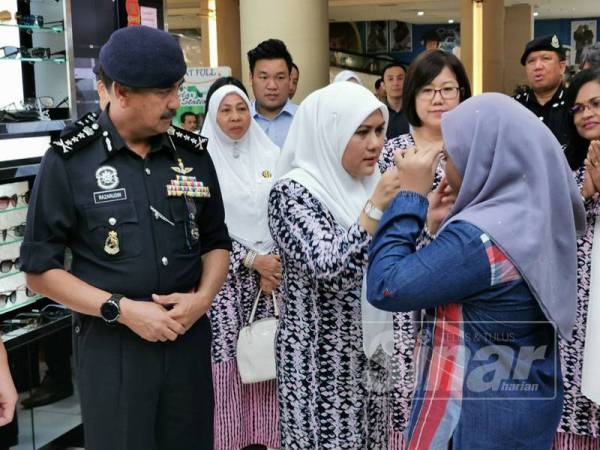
(138, 203)
(544, 61)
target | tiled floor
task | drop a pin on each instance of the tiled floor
(49, 422)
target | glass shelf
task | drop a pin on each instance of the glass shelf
(57, 60)
(18, 208)
(11, 241)
(10, 274)
(50, 29)
(12, 306)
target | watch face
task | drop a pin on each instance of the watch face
(109, 311)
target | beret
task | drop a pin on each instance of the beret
(549, 43)
(142, 57)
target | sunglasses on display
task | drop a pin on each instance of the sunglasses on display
(9, 52)
(6, 201)
(16, 231)
(593, 105)
(8, 264)
(11, 296)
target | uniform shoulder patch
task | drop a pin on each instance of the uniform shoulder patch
(187, 139)
(77, 136)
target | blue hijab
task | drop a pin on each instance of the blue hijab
(518, 187)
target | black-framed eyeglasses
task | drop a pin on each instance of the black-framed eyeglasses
(593, 105)
(15, 230)
(8, 264)
(447, 92)
(7, 200)
(10, 52)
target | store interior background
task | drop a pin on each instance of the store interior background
(323, 36)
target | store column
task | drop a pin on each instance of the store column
(518, 32)
(482, 43)
(302, 25)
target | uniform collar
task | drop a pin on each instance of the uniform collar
(114, 143)
(557, 100)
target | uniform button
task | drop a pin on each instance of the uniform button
(191, 215)
(112, 221)
(165, 261)
(77, 329)
(148, 171)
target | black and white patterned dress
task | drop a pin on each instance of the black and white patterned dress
(580, 422)
(245, 414)
(330, 395)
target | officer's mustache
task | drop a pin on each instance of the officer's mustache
(168, 115)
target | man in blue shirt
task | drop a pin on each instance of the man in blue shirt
(270, 68)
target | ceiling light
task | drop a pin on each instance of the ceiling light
(451, 21)
(420, 13)
(535, 14)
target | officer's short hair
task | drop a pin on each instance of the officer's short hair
(294, 66)
(270, 49)
(422, 71)
(223, 81)
(186, 114)
(378, 83)
(106, 80)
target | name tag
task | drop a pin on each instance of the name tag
(114, 195)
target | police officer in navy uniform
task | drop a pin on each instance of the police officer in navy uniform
(138, 203)
(544, 61)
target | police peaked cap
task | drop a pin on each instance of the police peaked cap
(142, 57)
(550, 43)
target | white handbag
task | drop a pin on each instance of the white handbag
(256, 346)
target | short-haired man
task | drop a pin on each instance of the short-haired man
(294, 78)
(189, 121)
(380, 89)
(544, 61)
(393, 82)
(270, 68)
(138, 203)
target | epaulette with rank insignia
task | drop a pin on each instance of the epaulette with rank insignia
(74, 138)
(187, 139)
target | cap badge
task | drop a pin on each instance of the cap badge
(555, 42)
(107, 177)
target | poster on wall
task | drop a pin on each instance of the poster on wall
(377, 36)
(400, 36)
(192, 92)
(583, 35)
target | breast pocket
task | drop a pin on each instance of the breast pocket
(185, 216)
(114, 230)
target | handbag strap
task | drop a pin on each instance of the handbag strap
(255, 306)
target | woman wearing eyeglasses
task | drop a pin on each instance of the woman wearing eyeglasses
(436, 82)
(580, 422)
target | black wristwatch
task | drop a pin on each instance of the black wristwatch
(110, 310)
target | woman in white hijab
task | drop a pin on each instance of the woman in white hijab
(244, 158)
(347, 75)
(322, 210)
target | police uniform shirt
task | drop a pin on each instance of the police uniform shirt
(554, 113)
(111, 207)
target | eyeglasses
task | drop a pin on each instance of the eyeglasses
(9, 52)
(7, 265)
(447, 93)
(16, 231)
(6, 201)
(11, 296)
(593, 105)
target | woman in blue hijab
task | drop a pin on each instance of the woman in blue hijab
(494, 288)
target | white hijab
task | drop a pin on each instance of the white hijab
(245, 170)
(347, 75)
(312, 156)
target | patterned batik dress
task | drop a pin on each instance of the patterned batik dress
(403, 374)
(330, 395)
(579, 427)
(245, 414)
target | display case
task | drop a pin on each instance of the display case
(37, 93)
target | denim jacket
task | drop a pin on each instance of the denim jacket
(488, 374)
